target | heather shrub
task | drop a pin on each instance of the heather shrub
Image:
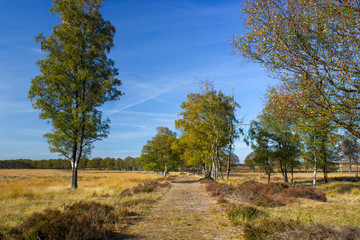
(244, 213)
(79, 221)
(258, 230)
(268, 195)
(219, 189)
(304, 192)
(146, 187)
(140, 201)
(318, 231)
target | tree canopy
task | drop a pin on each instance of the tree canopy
(208, 126)
(158, 153)
(313, 48)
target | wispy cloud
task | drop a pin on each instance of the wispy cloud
(13, 44)
(143, 90)
(149, 114)
(15, 107)
(31, 49)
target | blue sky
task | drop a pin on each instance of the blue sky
(161, 48)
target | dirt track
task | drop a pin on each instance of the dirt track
(184, 212)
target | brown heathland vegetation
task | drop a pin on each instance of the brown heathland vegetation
(139, 208)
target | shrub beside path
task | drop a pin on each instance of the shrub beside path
(184, 212)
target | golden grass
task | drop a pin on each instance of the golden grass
(23, 192)
(341, 208)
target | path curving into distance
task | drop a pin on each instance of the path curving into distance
(184, 212)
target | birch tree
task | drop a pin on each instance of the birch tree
(206, 128)
(76, 79)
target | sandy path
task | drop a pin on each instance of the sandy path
(184, 212)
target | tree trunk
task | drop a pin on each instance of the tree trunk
(74, 166)
(268, 166)
(286, 180)
(214, 170)
(357, 171)
(292, 175)
(349, 164)
(165, 171)
(325, 172)
(314, 178)
(228, 166)
(218, 164)
(281, 167)
(340, 167)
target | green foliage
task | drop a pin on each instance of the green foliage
(76, 79)
(128, 164)
(312, 47)
(273, 138)
(320, 143)
(208, 127)
(158, 154)
(250, 161)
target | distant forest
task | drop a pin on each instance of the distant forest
(126, 164)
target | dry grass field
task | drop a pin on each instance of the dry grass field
(23, 192)
(342, 207)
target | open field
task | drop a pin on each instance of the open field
(242, 174)
(23, 192)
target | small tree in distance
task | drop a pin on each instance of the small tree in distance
(158, 153)
(76, 79)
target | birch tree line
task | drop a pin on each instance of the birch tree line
(208, 127)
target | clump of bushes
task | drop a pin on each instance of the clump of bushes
(146, 187)
(273, 194)
(84, 220)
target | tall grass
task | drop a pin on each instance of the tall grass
(23, 192)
